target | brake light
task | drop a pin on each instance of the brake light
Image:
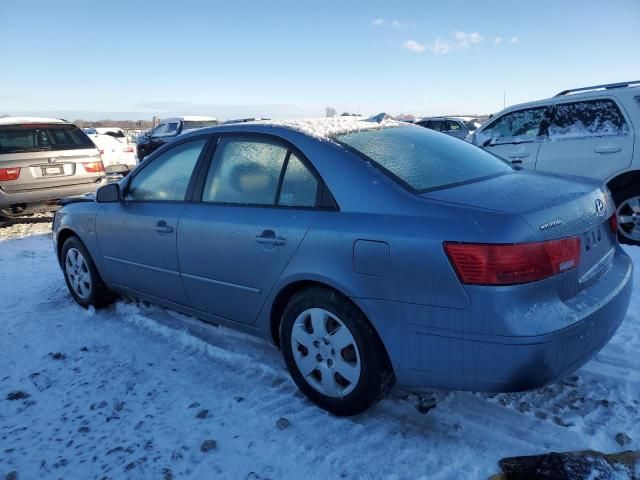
(128, 149)
(613, 222)
(7, 174)
(495, 264)
(93, 167)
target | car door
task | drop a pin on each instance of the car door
(258, 201)
(515, 136)
(587, 137)
(137, 236)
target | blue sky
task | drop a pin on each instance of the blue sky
(280, 58)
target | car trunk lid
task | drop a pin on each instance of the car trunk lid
(555, 207)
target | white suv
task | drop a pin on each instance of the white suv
(591, 131)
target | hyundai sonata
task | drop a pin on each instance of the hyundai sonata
(369, 252)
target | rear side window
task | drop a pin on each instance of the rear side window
(167, 177)
(422, 159)
(516, 127)
(593, 118)
(453, 126)
(299, 186)
(42, 137)
(244, 171)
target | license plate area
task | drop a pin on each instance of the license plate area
(593, 238)
(52, 171)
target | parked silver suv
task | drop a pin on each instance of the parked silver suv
(589, 131)
(43, 160)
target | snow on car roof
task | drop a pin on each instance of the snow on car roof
(19, 120)
(329, 127)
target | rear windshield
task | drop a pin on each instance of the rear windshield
(191, 124)
(42, 137)
(422, 159)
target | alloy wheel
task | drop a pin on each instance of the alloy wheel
(78, 273)
(629, 218)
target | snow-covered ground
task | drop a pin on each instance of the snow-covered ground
(137, 391)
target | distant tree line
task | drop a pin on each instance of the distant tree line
(124, 124)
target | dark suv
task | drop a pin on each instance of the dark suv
(168, 129)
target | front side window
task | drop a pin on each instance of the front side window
(244, 171)
(167, 177)
(422, 159)
(299, 186)
(594, 118)
(516, 127)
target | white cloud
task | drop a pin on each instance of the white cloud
(514, 40)
(397, 24)
(497, 41)
(440, 47)
(414, 46)
(466, 39)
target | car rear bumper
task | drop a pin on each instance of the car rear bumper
(428, 357)
(44, 199)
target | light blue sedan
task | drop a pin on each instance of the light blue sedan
(369, 252)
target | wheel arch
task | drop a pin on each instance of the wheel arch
(623, 181)
(287, 291)
(63, 235)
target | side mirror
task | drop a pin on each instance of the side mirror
(108, 194)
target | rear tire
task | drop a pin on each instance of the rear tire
(628, 211)
(82, 277)
(341, 365)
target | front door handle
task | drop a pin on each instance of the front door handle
(519, 155)
(604, 149)
(269, 237)
(516, 161)
(161, 227)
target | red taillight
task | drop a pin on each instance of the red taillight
(613, 222)
(93, 167)
(486, 264)
(127, 149)
(7, 174)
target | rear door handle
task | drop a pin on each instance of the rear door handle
(162, 227)
(519, 155)
(268, 237)
(604, 149)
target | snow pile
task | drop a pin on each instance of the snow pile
(328, 127)
(136, 391)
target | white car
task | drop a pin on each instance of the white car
(591, 132)
(118, 153)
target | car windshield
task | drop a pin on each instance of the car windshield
(38, 137)
(422, 159)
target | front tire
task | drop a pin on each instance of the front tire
(628, 211)
(332, 352)
(82, 277)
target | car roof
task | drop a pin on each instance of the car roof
(190, 118)
(324, 128)
(21, 120)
